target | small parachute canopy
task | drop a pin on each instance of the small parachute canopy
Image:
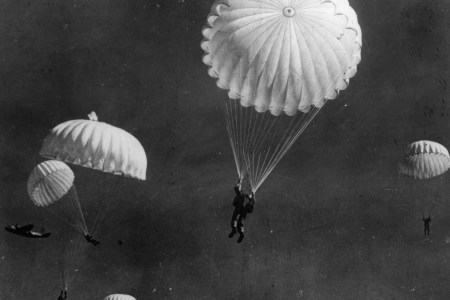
(424, 160)
(49, 181)
(282, 55)
(119, 297)
(96, 145)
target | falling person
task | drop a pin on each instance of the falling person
(240, 211)
(426, 224)
(63, 295)
(90, 239)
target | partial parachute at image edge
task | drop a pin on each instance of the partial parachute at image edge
(119, 297)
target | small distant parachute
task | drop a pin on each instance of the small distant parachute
(49, 182)
(119, 297)
(424, 160)
(96, 145)
(51, 185)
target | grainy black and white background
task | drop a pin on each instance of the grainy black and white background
(331, 222)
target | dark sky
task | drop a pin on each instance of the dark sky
(333, 221)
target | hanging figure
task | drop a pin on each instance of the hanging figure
(240, 211)
(63, 295)
(90, 239)
(426, 224)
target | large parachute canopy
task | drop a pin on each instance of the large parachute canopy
(96, 145)
(51, 185)
(282, 55)
(279, 57)
(424, 160)
(119, 297)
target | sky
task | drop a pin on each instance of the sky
(333, 221)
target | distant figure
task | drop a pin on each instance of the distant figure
(120, 242)
(426, 224)
(63, 295)
(90, 239)
(26, 231)
(240, 211)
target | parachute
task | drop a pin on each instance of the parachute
(96, 145)
(73, 254)
(51, 185)
(425, 162)
(99, 146)
(282, 60)
(119, 297)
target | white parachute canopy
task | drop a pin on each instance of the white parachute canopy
(51, 185)
(424, 160)
(424, 163)
(119, 297)
(49, 182)
(96, 145)
(277, 56)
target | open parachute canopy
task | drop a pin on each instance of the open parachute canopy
(51, 185)
(96, 145)
(277, 56)
(119, 297)
(49, 181)
(282, 55)
(424, 160)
